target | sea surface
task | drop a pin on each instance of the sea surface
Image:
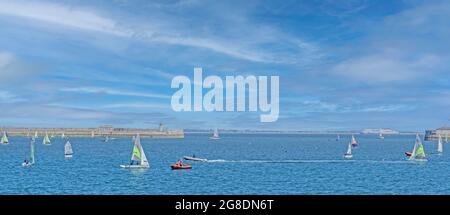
(238, 164)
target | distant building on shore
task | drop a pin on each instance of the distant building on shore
(434, 134)
(379, 130)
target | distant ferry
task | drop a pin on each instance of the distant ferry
(379, 131)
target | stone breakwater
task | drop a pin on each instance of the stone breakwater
(96, 132)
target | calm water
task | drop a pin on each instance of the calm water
(242, 164)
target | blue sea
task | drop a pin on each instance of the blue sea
(238, 164)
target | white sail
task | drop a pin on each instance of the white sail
(381, 136)
(92, 134)
(338, 137)
(46, 140)
(349, 149)
(215, 134)
(446, 138)
(68, 149)
(354, 142)
(63, 136)
(144, 161)
(36, 135)
(440, 146)
(32, 151)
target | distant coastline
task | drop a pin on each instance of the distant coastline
(248, 131)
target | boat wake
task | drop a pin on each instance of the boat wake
(279, 161)
(313, 161)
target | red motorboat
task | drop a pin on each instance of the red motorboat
(177, 167)
(408, 154)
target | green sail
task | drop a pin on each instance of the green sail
(136, 156)
(420, 152)
(4, 138)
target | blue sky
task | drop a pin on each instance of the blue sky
(343, 65)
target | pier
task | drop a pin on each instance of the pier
(101, 131)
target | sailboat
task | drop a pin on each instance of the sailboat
(4, 139)
(446, 138)
(106, 139)
(381, 136)
(440, 148)
(68, 152)
(348, 154)
(63, 136)
(92, 134)
(418, 153)
(32, 160)
(338, 137)
(46, 140)
(215, 135)
(138, 158)
(35, 135)
(354, 143)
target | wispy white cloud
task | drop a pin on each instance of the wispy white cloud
(99, 90)
(242, 46)
(5, 59)
(60, 14)
(136, 105)
(7, 97)
(386, 67)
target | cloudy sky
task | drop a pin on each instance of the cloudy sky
(342, 64)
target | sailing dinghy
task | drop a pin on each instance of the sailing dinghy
(4, 139)
(68, 152)
(46, 140)
(381, 136)
(349, 154)
(418, 153)
(31, 162)
(215, 135)
(138, 158)
(440, 148)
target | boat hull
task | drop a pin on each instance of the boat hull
(348, 156)
(194, 159)
(134, 167)
(178, 167)
(26, 164)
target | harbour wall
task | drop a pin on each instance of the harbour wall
(96, 132)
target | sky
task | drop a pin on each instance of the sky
(342, 65)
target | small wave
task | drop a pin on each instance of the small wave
(216, 161)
